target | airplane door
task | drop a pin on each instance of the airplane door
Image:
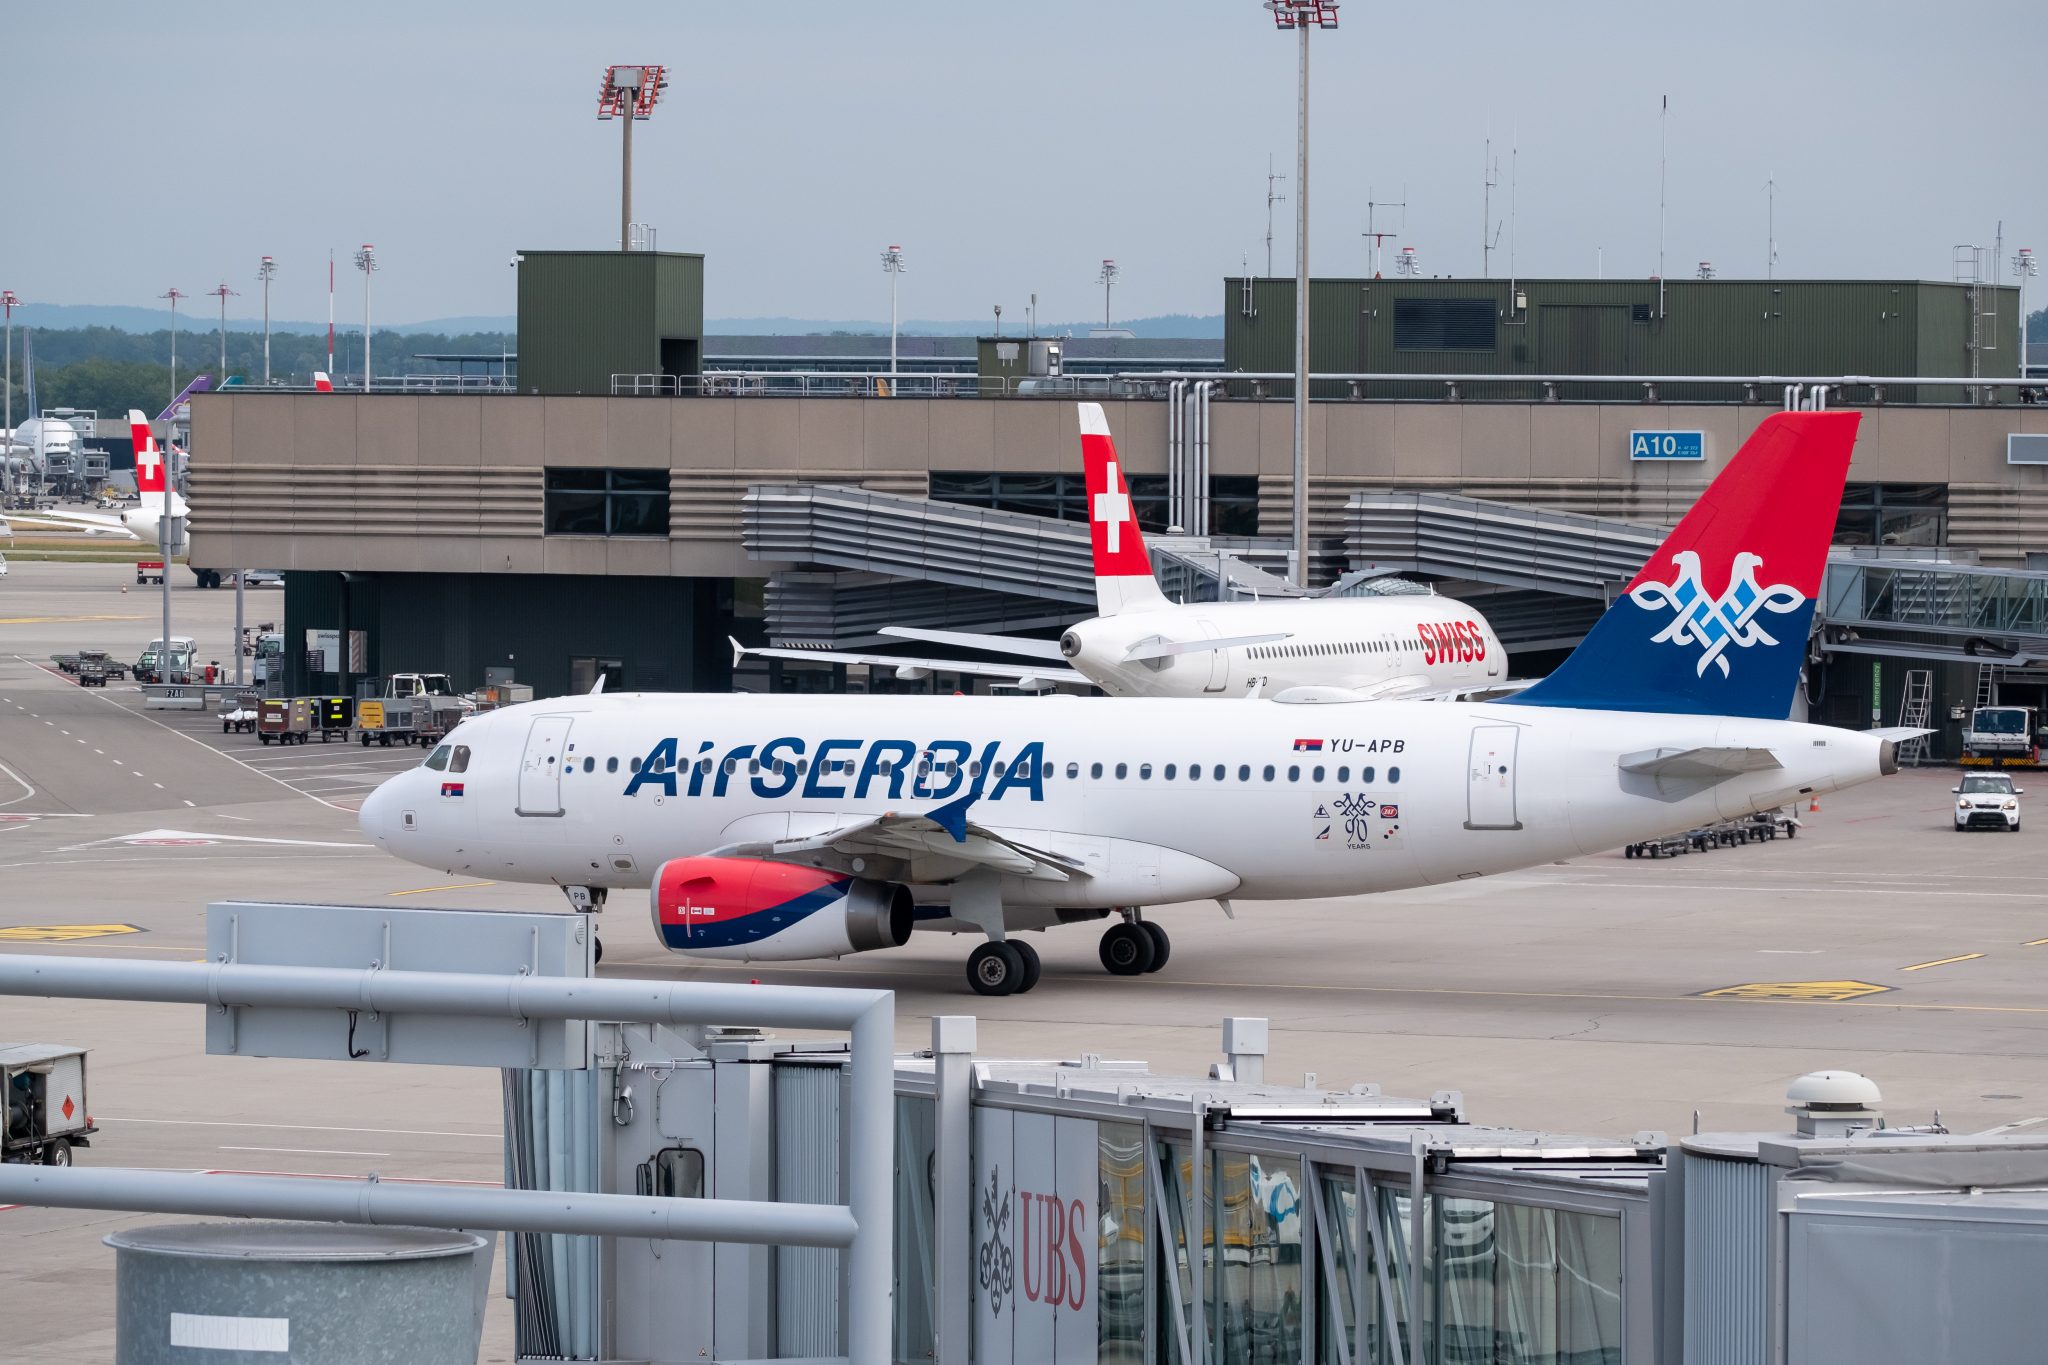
(1219, 660)
(1490, 778)
(540, 770)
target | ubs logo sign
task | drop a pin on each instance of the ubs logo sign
(1055, 1264)
(997, 1269)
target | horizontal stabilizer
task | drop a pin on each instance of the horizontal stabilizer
(995, 644)
(1699, 765)
(1030, 677)
(1167, 649)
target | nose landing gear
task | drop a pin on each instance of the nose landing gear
(588, 900)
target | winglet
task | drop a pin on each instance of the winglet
(739, 651)
(321, 383)
(952, 817)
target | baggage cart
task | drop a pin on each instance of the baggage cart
(334, 716)
(286, 720)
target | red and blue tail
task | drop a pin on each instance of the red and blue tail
(1716, 622)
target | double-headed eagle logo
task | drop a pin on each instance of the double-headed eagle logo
(1715, 624)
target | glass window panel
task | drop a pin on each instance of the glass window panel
(1526, 1285)
(1336, 1322)
(1588, 1289)
(1255, 1291)
(639, 480)
(639, 514)
(1175, 1163)
(1461, 1293)
(916, 1134)
(1393, 1215)
(1124, 1231)
(575, 514)
(591, 480)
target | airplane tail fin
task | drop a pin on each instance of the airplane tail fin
(321, 383)
(149, 459)
(1716, 622)
(1123, 571)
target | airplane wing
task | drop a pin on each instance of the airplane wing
(85, 521)
(994, 644)
(1165, 649)
(1031, 679)
(913, 848)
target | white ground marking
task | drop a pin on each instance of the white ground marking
(152, 834)
(308, 1128)
(26, 790)
(304, 1151)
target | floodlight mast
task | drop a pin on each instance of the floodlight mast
(366, 261)
(174, 294)
(2024, 268)
(1302, 16)
(892, 264)
(629, 93)
(8, 300)
(1107, 279)
(266, 273)
(223, 293)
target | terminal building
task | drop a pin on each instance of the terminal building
(631, 501)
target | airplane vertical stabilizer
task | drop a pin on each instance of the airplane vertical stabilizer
(1716, 622)
(1123, 570)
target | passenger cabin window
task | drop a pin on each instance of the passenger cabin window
(611, 765)
(606, 502)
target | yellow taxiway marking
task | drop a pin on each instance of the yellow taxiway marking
(452, 886)
(1797, 990)
(1941, 962)
(61, 620)
(62, 933)
(2034, 942)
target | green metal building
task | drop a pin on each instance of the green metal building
(586, 316)
(1808, 328)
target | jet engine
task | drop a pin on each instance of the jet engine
(755, 910)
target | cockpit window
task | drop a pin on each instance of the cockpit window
(438, 760)
(459, 763)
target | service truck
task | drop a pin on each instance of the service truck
(42, 1100)
(2001, 737)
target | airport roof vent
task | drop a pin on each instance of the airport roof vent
(1834, 1103)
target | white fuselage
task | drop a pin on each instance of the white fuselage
(1389, 645)
(1293, 800)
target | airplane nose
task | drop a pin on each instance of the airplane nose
(378, 816)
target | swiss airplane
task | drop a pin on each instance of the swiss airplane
(144, 521)
(772, 828)
(1140, 644)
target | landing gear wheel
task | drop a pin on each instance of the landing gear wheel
(1162, 946)
(1028, 955)
(57, 1153)
(597, 950)
(995, 969)
(1127, 950)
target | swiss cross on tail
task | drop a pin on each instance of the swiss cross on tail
(149, 460)
(1716, 622)
(1123, 571)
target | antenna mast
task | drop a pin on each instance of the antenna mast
(1663, 117)
(1272, 198)
(1379, 237)
(1489, 238)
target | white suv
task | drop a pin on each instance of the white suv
(1989, 800)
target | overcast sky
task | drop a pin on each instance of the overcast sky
(1008, 148)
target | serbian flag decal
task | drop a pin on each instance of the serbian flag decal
(451, 789)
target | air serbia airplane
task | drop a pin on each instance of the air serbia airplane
(144, 521)
(781, 827)
(1142, 645)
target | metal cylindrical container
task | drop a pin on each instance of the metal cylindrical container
(252, 1293)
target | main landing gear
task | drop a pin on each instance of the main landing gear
(588, 900)
(1006, 968)
(1134, 947)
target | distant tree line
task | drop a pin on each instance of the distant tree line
(111, 371)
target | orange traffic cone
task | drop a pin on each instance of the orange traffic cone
(1813, 805)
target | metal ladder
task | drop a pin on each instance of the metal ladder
(1987, 684)
(1915, 702)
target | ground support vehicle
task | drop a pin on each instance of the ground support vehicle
(239, 713)
(284, 720)
(149, 571)
(92, 668)
(333, 716)
(42, 1103)
(1670, 846)
(2002, 737)
(406, 720)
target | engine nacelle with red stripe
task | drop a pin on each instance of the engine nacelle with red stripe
(754, 910)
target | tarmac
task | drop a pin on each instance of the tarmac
(1600, 995)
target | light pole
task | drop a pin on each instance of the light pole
(223, 293)
(1107, 279)
(2024, 268)
(7, 300)
(174, 294)
(265, 272)
(892, 263)
(366, 261)
(1302, 16)
(629, 93)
